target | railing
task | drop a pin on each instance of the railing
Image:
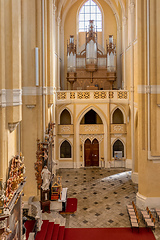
(36, 212)
(103, 95)
(91, 129)
(65, 129)
(118, 128)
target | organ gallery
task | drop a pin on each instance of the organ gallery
(94, 68)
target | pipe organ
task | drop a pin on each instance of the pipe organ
(92, 68)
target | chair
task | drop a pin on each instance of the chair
(135, 224)
(151, 224)
(129, 206)
(145, 214)
(131, 214)
(158, 213)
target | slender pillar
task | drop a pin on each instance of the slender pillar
(2, 87)
(132, 20)
(124, 53)
(54, 80)
(59, 28)
(54, 46)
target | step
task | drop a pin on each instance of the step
(29, 225)
(61, 233)
(42, 234)
(50, 231)
(55, 232)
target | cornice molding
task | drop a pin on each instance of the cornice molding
(38, 91)
(10, 97)
(152, 89)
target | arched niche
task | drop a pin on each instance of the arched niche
(117, 117)
(91, 117)
(65, 150)
(65, 117)
(117, 147)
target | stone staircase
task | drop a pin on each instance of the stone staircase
(50, 231)
(53, 227)
(50, 226)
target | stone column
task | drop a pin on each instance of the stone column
(59, 29)
(124, 52)
(54, 46)
(3, 143)
(54, 81)
(132, 16)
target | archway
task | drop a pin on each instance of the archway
(91, 117)
(91, 153)
(65, 117)
(117, 117)
(118, 148)
(65, 150)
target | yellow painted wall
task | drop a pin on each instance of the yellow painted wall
(149, 178)
(12, 144)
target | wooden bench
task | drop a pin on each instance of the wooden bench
(133, 216)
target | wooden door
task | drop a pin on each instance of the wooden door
(95, 153)
(91, 153)
(87, 153)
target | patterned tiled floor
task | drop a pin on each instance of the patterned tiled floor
(102, 197)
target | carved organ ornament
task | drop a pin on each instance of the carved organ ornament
(92, 68)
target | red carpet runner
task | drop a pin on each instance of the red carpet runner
(107, 234)
(51, 231)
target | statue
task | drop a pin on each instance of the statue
(46, 177)
(54, 167)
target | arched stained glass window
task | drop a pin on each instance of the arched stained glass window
(90, 11)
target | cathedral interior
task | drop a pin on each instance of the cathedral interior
(79, 109)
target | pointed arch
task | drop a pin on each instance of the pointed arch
(69, 5)
(118, 145)
(87, 109)
(87, 141)
(95, 140)
(65, 117)
(65, 149)
(60, 113)
(104, 122)
(123, 113)
(91, 117)
(117, 117)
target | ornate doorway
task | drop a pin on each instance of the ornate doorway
(91, 153)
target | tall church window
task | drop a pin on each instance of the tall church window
(90, 11)
(65, 150)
